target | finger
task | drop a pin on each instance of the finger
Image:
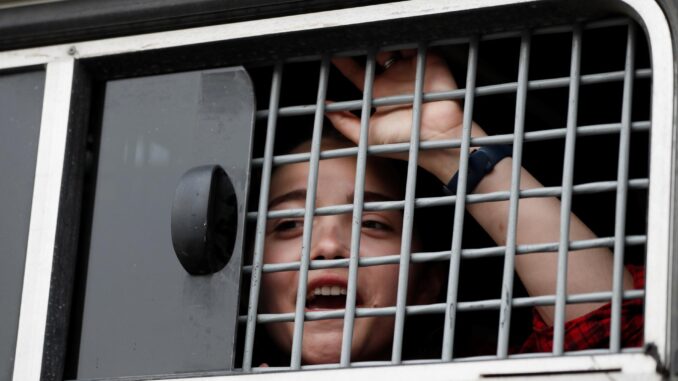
(351, 70)
(346, 123)
(263, 365)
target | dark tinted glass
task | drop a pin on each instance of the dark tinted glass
(20, 109)
(143, 313)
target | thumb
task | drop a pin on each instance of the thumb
(346, 123)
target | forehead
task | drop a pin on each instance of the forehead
(337, 176)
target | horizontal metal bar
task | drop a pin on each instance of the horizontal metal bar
(438, 256)
(504, 88)
(465, 40)
(482, 360)
(598, 24)
(558, 29)
(547, 300)
(532, 136)
(439, 308)
(267, 26)
(585, 352)
(427, 202)
(553, 246)
(536, 32)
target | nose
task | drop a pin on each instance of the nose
(331, 238)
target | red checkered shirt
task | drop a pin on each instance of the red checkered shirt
(593, 329)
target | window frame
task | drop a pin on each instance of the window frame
(35, 359)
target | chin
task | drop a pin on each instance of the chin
(325, 357)
(323, 338)
(371, 340)
(322, 342)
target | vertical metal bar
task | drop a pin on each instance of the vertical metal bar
(262, 211)
(460, 206)
(509, 258)
(622, 192)
(356, 222)
(566, 197)
(308, 214)
(408, 214)
(44, 212)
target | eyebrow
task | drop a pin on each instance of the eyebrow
(370, 196)
(300, 195)
(295, 195)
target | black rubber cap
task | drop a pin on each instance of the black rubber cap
(204, 220)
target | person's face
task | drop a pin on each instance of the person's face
(331, 237)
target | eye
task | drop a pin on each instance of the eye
(376, 225)
(288, 227)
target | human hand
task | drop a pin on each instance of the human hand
(392, 124)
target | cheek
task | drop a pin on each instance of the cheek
(377, 247)
(274, 294)
(380, 285)
(280, 251)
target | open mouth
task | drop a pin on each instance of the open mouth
(328, 297)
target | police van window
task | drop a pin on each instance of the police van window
(20, 109)
(441, 197)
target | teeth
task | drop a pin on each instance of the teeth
(329, 291)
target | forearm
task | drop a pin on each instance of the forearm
(538, 221)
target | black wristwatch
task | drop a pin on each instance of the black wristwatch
(480, 163)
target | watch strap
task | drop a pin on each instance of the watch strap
(480, 162)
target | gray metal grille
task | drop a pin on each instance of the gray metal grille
(619, 187)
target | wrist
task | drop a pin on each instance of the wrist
(481, 162)
(441, 163)
(444, 163)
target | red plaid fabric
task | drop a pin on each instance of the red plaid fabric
(592, 330)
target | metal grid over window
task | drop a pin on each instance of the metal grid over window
(628, 127)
